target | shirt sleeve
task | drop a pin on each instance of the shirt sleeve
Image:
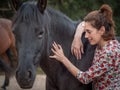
(99, 67)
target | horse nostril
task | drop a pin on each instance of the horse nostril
(28, 74)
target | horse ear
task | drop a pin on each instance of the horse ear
(15, 4)
(42, 5)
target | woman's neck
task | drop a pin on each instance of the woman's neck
(102, 43)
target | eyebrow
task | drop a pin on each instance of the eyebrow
(86, 30)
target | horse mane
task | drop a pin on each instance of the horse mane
(57, 14)
(60, 23)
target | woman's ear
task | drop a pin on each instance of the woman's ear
(102, 30)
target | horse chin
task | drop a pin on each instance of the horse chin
(25, 85)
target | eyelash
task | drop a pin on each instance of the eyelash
(87, 31)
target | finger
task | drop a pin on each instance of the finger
(59, 46)
(51, 57)
(79, 54)
(54, 57)
(55, 46)
(75, 53)
(54, 51)
(82, 51)
(72, 50)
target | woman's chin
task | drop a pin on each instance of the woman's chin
(92, 43)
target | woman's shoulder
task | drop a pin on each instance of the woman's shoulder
(113, 48)
(110, 49)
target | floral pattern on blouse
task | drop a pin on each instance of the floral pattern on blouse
(105, 69)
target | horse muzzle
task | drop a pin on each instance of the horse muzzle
(26, 84)
(25, 80)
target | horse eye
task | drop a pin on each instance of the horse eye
(40, 34)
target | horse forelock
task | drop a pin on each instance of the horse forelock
(27, 13)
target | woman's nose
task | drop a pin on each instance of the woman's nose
(86, 35)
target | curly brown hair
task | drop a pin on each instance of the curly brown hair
(102, 17)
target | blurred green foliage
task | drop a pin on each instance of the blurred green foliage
(75, 9)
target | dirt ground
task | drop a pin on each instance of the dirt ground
(38, 85)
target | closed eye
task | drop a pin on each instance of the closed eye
(88, 31)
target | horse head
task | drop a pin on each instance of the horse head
(29, 30)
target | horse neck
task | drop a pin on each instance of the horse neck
(61, 29)
(59, 22)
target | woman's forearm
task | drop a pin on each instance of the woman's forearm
(78, 74)
(71, 68)
(79, 30)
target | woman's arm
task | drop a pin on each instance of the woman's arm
(79, 30)
(77, 46)
(97, 69)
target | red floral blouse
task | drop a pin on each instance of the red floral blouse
(105, 70)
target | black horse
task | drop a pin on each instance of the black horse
(35, 28)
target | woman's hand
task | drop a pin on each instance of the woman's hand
(59, 55)
(58, 52)
(77, 48)
(77, 45)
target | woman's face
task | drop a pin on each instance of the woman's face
(92, 34)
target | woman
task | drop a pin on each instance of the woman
(98, 26)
